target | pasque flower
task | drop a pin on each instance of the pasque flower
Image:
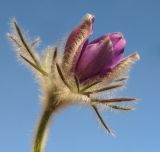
(100, 56)
(94, 58)
(85, 69)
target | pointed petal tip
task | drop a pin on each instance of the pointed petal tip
(89, 18)
(108, 42)
(117, 35)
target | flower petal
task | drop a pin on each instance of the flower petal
(122, 68)
(76, 41)
(100, 56)
(119, 44)
(94, 58)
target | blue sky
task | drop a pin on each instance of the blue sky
(76, 128)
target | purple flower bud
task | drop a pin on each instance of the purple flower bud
(100, 56)
(89, 59)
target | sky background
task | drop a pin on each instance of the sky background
(77, 129)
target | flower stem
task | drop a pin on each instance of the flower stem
(41, 132)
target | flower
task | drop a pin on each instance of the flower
(84, 70)
(100, 56)
(97, 57)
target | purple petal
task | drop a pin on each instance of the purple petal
(119, 44)
(93, 59)
(100, 56)
(78, 40)
(118, 48)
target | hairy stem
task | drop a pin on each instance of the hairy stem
(41, 132)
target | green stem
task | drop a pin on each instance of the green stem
(41, 132)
